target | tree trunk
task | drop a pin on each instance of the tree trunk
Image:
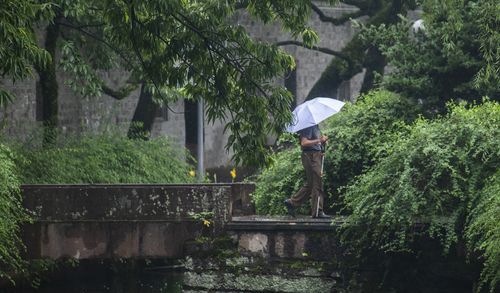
(374, 63)
(48, 85)
(144, 115)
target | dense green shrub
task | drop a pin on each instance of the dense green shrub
(283, 178)
(104, 159)
(362, 134)
(429, 186)
(359, 134)
(12, 214)
(483, 230)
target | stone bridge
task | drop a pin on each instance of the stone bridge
(155, 221)
(237, 252)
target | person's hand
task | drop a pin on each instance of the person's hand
(323, 138)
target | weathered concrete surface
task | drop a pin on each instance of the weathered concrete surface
(129, 221)
(124, 239)
(285, 237)
(256, 283)
(241, 200)
(254, 274)
(124, 202)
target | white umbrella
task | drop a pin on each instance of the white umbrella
(312, 112)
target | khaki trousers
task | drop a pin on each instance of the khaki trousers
(313, 188)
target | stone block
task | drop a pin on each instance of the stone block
(254, 243)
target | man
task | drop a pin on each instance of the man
(310, 142)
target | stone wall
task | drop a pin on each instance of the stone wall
(310, 64)
(19, 117)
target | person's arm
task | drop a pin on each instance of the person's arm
(304, 142)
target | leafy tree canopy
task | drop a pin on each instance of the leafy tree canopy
(454, 56)
(18, 48)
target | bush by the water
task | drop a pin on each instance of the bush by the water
(104, 159)
(440, 181)
(483, 230)
(12, 214)
(359, 135)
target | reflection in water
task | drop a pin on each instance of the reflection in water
(116, 277)
(227, 273)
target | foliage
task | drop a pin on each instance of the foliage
(283, 178)
(363, 134)
(483, 230)
(18, 49)
(12, 214)
(455, 56)
(428, 186)
(206, 218)
(486, 17)
(104, 159)
(359, 135)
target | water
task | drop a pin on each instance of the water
(246, 274)
(116, 277)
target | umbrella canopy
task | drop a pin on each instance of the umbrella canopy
(312, 112)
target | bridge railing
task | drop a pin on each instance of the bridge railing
(126, 220)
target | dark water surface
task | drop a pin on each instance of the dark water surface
(240, 274)
(94, 277)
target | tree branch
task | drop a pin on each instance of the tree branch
(119, 94)
(315, 48)
(337, 21)
(223, 47)
(236, 65)
(361, 4)
(87, 25)
(138, 54)
(113, 48)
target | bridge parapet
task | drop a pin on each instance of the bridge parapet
(114, 221)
